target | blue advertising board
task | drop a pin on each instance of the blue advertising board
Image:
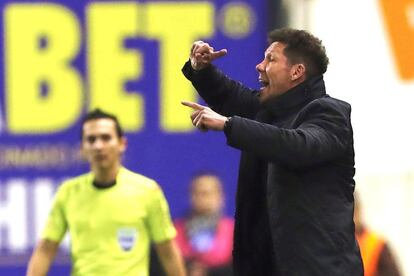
(63, 58)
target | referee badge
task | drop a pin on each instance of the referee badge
(127, 237)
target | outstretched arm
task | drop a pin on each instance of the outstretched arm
(42, 257)
(324, 133)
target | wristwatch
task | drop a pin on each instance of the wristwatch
(227, 125)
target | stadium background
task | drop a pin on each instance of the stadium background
(62, 58)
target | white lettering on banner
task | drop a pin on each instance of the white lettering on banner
(43, 191)
(24, 207)
(13, 216)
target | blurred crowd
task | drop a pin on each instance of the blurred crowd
(204, 233)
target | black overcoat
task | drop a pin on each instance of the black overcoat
(294, 205)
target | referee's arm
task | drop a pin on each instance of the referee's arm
(170, 258)
(42, 257)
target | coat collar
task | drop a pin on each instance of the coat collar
(299, 95)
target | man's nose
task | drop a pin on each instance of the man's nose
(259, 67)
(98, 144)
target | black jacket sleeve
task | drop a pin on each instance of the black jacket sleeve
(222, 94)
(323, 133)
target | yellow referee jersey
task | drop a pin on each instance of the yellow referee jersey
(110, 229)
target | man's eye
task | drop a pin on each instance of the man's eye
(106, 137)
(91, 139)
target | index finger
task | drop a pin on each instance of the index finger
(194, 106)
(218, 54)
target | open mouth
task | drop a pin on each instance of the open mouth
(263, 83)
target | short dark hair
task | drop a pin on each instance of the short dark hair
(302, 47)
(203, 173)
(99, 114)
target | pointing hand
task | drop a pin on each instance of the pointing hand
(202, 54)
(204, 118)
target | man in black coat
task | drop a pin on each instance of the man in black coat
(294, 207)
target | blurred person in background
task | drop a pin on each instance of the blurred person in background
(111, 213)
(376, 253)
(294, 206)
(205, 235)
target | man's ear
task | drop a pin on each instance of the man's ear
(298, 71)
(124, 143)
